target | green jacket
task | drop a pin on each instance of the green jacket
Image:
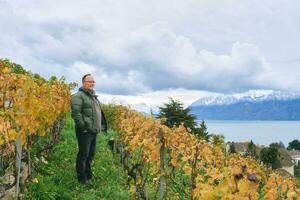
(84, 112)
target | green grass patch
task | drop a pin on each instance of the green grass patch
(56, 178)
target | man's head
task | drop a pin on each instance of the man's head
(88, 82)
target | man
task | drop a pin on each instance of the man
(89, 120)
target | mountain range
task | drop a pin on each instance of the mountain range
(251, 105)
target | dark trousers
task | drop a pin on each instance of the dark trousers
(86, 153)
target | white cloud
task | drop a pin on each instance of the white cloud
(135, 47)
(83, 68)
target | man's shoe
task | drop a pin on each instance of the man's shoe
(89, 183)
(86, 182)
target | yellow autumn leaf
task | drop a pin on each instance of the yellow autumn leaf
(209, 195)
(174, 161)
(248, 188)
(292, 195)
(6, 70)
(185, 158)
(236, 170)
(154, 155)
(132, 189)
(11, 134)
(35, 180)
(187, 170)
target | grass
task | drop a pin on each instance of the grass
(56, 178)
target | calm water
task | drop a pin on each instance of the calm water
(261, 132)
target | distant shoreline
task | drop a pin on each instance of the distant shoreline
(259, 131)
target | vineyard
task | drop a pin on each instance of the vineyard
(166, 163)
(159, 162)
(31, 108)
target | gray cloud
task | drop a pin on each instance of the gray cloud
(133, 47)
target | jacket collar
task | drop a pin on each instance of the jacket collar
(88, 92)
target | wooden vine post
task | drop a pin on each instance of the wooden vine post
(162, 181)
(18, 165)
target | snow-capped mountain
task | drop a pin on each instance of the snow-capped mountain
(251, 105)
(250, 96)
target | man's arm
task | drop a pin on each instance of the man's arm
(76, 106)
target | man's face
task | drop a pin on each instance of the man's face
(88, 83)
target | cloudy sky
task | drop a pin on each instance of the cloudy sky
(148, 50)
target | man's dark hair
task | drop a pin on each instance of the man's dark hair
(85, 76)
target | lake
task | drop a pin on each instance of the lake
(260, 132)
